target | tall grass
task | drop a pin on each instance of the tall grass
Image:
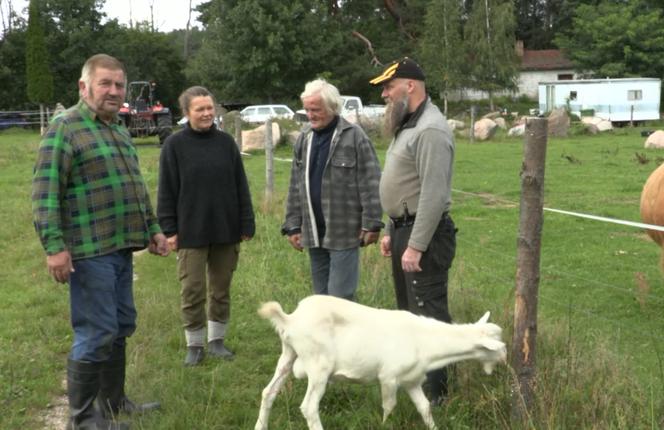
(600, 320)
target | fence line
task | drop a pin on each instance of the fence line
(511, 259)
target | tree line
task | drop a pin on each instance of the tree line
(251, 51)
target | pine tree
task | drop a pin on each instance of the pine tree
(39, 77)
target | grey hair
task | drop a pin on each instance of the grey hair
(188, 95)
(329, 94)
(103, 61)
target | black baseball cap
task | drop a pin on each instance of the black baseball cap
(405, 68)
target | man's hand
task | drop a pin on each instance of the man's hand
(410, 260)
(159, 245)
(173, 243)
(385, 245)
(244, 237)
(60, 266)
(368, 237)
(294, 240)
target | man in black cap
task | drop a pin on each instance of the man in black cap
(415, 192)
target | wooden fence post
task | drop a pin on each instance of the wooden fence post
(472, 124)
(269, 162)
(527, 271)
(238, 132)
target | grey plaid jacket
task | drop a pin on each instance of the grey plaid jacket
(350, 198)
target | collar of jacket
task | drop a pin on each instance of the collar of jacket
(85, 110)
(411, 119)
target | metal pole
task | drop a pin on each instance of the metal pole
(527, 271)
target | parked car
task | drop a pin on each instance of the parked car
(352, 106)
(260, 113)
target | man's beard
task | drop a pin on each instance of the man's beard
(395, 112)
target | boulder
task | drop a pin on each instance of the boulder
(485, 129)
(255, 139)
(492, 115)
(599, 123)
(518, 130)
(655, 140)
(559, 123)
(456, 124)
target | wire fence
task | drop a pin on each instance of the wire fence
(625, 288)
(27, 119)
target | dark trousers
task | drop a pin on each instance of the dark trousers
(425, 293)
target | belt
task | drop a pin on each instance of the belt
(407, 221)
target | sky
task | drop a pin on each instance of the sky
(168, 14)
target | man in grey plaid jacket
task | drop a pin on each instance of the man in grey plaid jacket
(333, 205)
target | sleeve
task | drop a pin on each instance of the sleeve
(293, 221)
(434, 152)
(168, 190)
(49, 186)
(246, 210)
(368, 183)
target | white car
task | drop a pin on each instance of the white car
(260, 113)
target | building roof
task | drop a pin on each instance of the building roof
(545, 59)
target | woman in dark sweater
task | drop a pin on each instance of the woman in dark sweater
(205, 210)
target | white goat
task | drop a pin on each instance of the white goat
(331, 337)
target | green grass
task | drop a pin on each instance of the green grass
(599, 335)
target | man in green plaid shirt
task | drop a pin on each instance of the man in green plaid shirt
(91, 211)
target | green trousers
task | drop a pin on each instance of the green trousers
(205, 276)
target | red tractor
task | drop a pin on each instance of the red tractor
(143, 115)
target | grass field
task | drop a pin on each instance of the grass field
(600, 329)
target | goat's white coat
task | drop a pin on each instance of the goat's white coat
(331, 337)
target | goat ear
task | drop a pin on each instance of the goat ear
(492, 344)
(484, 318)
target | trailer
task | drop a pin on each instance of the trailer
(616, 100)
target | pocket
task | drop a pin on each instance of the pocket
(430, 297)
(343, 170)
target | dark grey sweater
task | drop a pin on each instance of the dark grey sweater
(203, 191)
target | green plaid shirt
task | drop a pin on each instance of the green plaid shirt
(88, 195)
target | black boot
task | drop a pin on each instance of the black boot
(112, 399)
(437, 386)
(82, 386)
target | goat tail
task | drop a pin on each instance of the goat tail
(272, 311)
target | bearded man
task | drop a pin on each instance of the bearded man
(415, 192)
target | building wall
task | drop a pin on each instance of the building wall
(529, 79)
(527, 85)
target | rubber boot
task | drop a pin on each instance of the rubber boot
(216, 348)
(195, 350)
(436, 386)
(83, 379)
(112, 399)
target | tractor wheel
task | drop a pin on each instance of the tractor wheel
(164, 127)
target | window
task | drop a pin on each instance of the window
(280, 110)
(572, 95)
(634, 94)
(565, 77)
(264, 111)
(352, 104)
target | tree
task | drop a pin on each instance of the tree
(254, 53)
(489, 46)
(441, 47)
(616, 40)
(74, 33)
(39, 77)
